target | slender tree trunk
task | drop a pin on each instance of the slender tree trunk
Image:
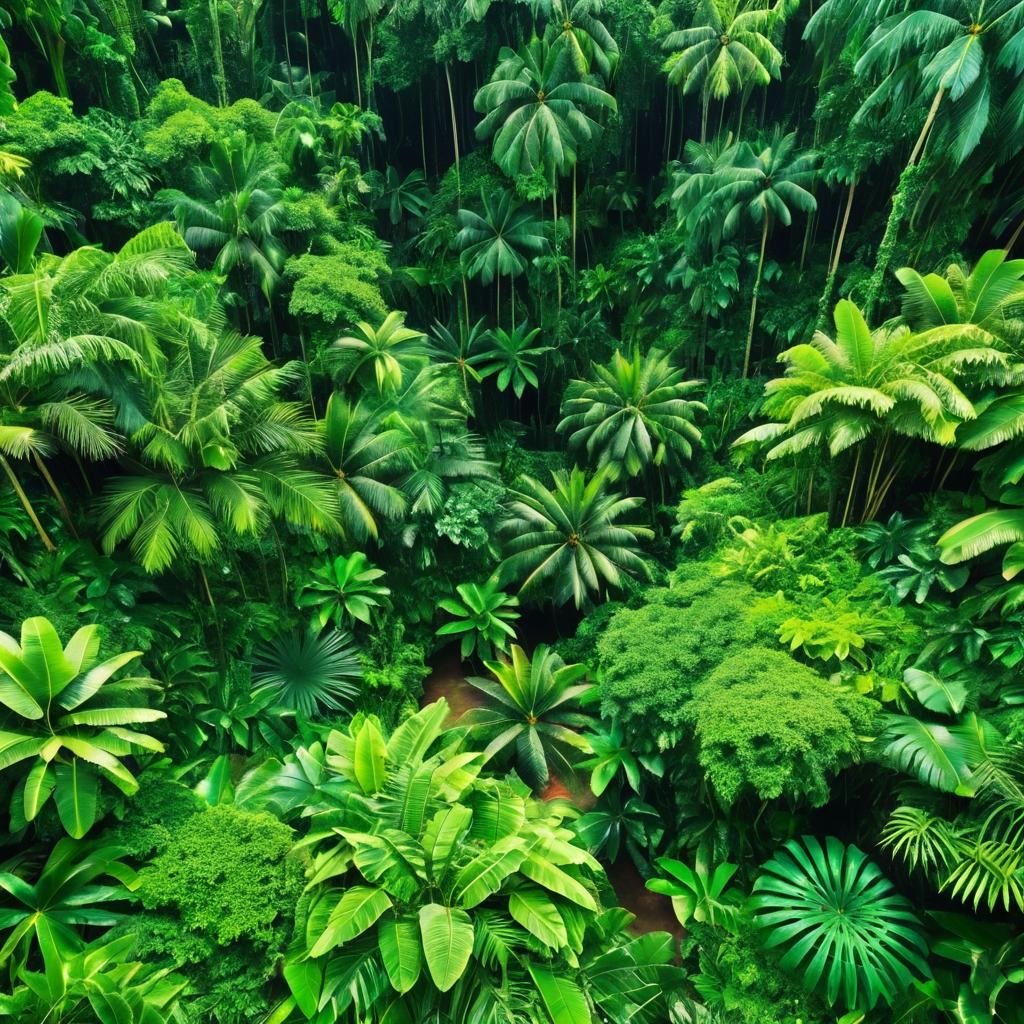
(287, 47)
(753, 301)
(574, 227)
(355, 53)
(423, 139)
(26, 504)
(1016, 234)
(55, 491)
(455, 129)
(853, 487)
(837, 252)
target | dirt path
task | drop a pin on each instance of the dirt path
(653, 912)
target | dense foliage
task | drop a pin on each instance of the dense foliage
(511, 512)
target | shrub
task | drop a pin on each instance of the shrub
(652, 657)
(770, 727)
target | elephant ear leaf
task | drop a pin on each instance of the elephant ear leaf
(562, 998)
(447, 943)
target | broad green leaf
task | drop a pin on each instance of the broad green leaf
(76, 797)
(945, 696)
(562, 998)
(399, 941)
(484, 874)
(535, 911)
(447, 943)
(39, 784)
(356, 911)
(558, 881)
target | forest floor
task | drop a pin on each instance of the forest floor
(653, 911)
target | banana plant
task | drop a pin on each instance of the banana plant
(63, 711)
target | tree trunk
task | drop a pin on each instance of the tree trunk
(837, 252)
(753, 301)
(355, 53)
(56, 492)
(455, 130)
(27, 505)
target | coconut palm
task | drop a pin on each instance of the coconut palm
(500, 242)
(869, 389)
(365, 458)
(233, 207)
(727, 50)
(537, 109)
(569, 542)
(765, 187)
(577, 26)
(633, 413)
(386, 350)
(534, 703)
(220, 454)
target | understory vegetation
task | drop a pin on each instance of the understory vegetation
(511, 512)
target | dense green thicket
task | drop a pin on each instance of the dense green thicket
(643, 379)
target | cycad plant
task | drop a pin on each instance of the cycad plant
(569, 542)
(633, 413)
(534, 704)
(70, 717)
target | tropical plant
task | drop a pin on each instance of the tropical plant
(221, 454)
(408, 196)
(701, 892)
(727, 50)
(577, 26)
(307, 672)
(64, 898)
(766, 187)
(344, 587)
(870, 386)
(365, 458)
(839, 919)
(614, 825)
(535, 704)
(65, 712)
(569, 542)
(234, 208)
(612, 752)
(538, 110)
(499, 242)
(483, 616)
(386, 350)
(512, 356)
(633, 413)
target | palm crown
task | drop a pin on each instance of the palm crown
(633, 413)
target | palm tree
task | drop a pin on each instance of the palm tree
(968, 52)
(457, 350)
(537, 110)
(351, 14)
(498, 243)
(74, 325)
(870, 387)
(577, 26)
(766, 187)
(513, 356)
(387, 349)
(727, 50)
(533, 704)
(365, 459)
(220, 455)
(633, 413)
(569, 540)
(234, 208)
